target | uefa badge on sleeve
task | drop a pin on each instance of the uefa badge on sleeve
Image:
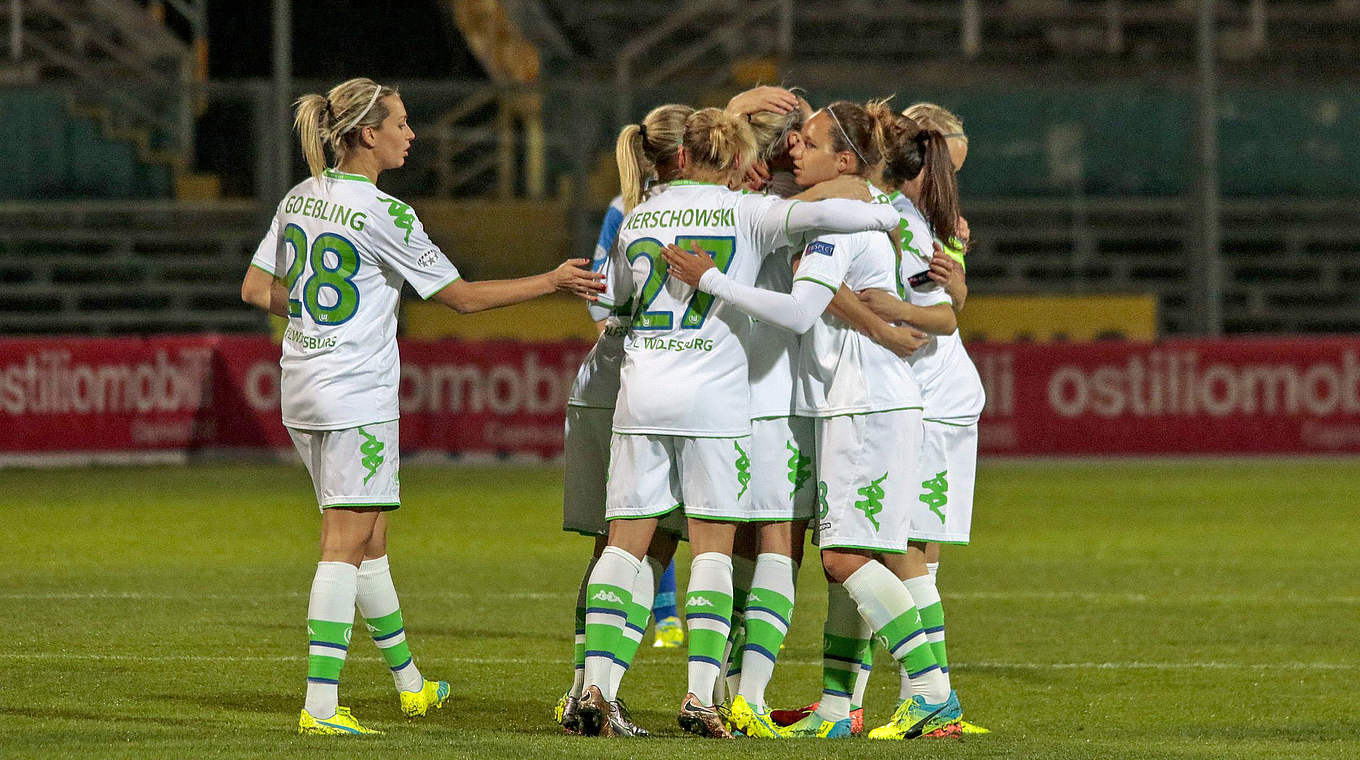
(822, 247)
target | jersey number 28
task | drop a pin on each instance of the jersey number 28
(335, 274)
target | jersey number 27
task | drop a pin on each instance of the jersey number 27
(722, 249)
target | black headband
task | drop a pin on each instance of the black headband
(642, 130)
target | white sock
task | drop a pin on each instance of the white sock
(846, 634)
(578, 653)
(887, 607)
(769, 611)
(644, 592)
(743, 570)
(924, 594)
(934, 569)
(610, 590)
(330, 621)
(866, 666)
(377, 598)
(708, 615)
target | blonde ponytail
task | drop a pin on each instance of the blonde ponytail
(642, 149)
(718, 140)
(334, 119)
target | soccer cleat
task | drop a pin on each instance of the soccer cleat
(751, 721)
(415, 704)
(669, 634)
(967, 728)
(917, 718)
(593, 713)
(621, 721)
(566, 715)
(790, 717)
(813, 727)
(697, 718)
(340, 724)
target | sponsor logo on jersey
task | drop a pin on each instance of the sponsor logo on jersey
(402, 216)
(822, 247)
(605, 595)
(918, 279)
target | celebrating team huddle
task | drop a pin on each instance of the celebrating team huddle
(779, 346)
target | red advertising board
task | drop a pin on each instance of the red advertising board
(1239, 396)
(187, 393)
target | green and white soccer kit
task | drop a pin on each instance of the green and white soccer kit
(953, 395)
(866, 403)
(343, 248)
(782, 486)
(685, 373)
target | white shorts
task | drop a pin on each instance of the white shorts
(354, 467)
(652, 475)
(589, 430)
(942, 510)
(865, 473)
(782, 487)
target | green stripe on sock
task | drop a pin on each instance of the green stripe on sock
(627, 646)
(393, 654)
(919, 657)
(737, 638)
(843, 647)
(578, 648)
(319, 666)
(329, 631)
(604, 637)
(771, 600)
(933, 617)
(706, 643)
(764, 635)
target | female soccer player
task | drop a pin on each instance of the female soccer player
(333, 262)
(950, 385)
(682, 422)
(648, 152)
(867, 408)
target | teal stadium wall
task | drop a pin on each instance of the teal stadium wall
(53, 154)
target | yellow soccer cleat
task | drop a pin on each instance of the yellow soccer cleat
(972, 728)
(752, 721)
(415, 704)
(669, 634)
(340, 724)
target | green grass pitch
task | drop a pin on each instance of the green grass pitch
(1106, 609)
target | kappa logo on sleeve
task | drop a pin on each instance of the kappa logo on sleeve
(402, 216)
(822, 247)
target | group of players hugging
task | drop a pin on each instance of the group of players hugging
(778, 349)
(777, 291)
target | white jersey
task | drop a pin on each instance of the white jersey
(950, 384)
(343, 248)
(597, 381)
(684, 370)
(841, 371)
(773, 350)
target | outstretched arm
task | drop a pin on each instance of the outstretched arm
(571, 276)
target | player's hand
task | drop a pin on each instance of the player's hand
(685, 266)
(574, 276)
(903, 341)
(845, 186)
(882, 303)
(757, 177)
(944, 269)
(763, 98)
